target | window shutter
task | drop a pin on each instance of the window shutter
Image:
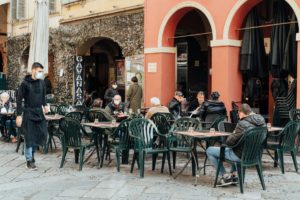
(21, 9)
(52, 6)
(13, 9)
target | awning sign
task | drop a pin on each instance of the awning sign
(78, 77)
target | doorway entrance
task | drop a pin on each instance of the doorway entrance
(102, 66)
(192, 37)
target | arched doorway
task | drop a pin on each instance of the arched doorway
(103, 63)
(274, 19)
(24, 63)
(192, 36)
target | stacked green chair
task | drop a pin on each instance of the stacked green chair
(123, 142)
(180, 143)
(253, 140)
(99, 114)
(287, 138)
(143, 131)
(162, 122)
(294, 114)
(73, 138)
(53, 109)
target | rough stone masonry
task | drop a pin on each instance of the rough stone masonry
(126, 29)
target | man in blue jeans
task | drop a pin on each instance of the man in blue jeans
(248, 119)
(31, 116)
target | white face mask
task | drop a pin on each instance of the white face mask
(117, 102)
(114, 86)
(39, 75)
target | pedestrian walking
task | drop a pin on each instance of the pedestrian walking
(134, 95)
(30, 116)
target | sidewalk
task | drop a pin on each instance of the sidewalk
(51, 182)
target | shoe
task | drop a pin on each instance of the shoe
(235, 179)
(14, 140)
(31, 165)
(224, 181)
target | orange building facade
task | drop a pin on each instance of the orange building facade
(219, 23)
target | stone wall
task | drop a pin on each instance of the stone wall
(127, 29)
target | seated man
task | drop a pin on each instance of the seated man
(116, 106)
(175, 104)
(156, 107)
(248, 119)
(212, 108)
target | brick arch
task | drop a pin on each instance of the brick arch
(240, 10)
(169, 23)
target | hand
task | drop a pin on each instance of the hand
(19, 121)
(45, 109)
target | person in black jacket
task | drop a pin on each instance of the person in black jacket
(33, 121)
(212, 108)
(175, 104)
(248, 120)
(111, 92)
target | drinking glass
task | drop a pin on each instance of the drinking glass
(212, 130)
(113, 122)
(191, 129)
(96, 121)
(269, 125)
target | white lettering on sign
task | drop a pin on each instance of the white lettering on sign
(152, 67)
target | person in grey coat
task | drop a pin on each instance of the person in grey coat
(134, 95)
(248, 120)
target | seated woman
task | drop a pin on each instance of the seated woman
(8, 122)
(212, 108)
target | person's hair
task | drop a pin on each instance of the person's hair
(113, 83)
(201, 93)
(178, 93)
(245, 108)
(4, 94)
(37, 65)
(215, 96)
(134, 79)
(155, 101)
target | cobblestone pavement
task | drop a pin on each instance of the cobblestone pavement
(51, 182)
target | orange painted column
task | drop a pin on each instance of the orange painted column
(226, 77)
(298, 75)
(160, 82)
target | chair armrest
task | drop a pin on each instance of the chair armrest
(222, 152)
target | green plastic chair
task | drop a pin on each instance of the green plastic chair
(63, 109)
(124, 142)
(179, 143)
(143, 130)
(72, 138)
(253, 140)
(75, 115)
(53, 109)
(287, 138)
(162, 122)
(99, 114)
(294, 114)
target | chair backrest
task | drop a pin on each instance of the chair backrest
(253, 141)
(122, 132)
(63, 109)
(71, 129)
(101, 115)
(75, 115)
(162, 122)
(53, 109)
(294, 114)
(289, 134)
(184, 123)
(143, 130)
(215, 123)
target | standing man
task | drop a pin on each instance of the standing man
(33, 121)
(134, 95)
